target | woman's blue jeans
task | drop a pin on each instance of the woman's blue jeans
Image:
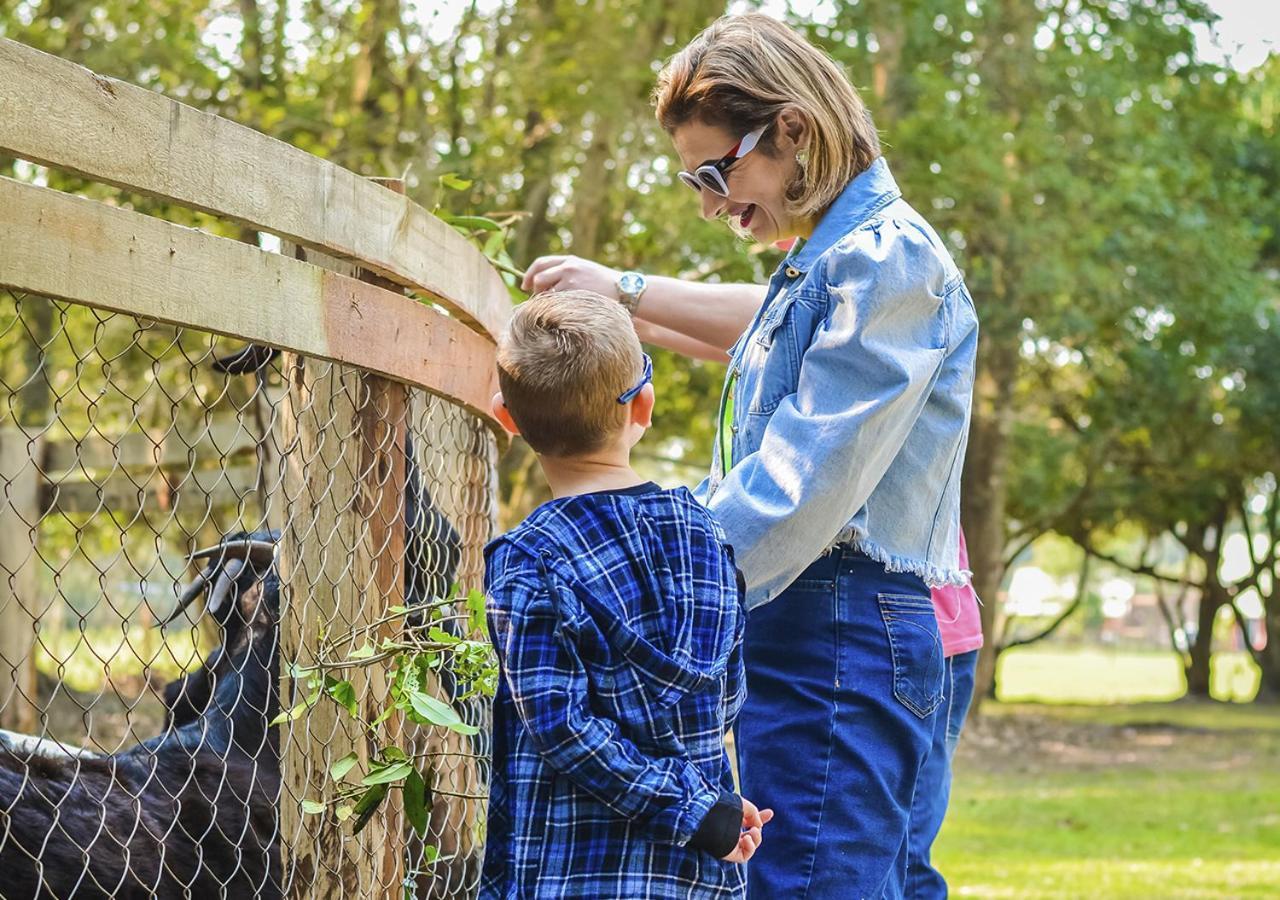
(929, 808)
(844, 681)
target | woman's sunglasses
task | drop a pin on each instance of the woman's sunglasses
(710, 174)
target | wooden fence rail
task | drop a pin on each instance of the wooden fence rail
(393, 296)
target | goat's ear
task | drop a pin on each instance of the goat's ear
(247, 359)
(223, 586)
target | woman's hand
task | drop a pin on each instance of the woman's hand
(569, 273)
(753, 822)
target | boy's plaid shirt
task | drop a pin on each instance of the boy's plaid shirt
(617, 618)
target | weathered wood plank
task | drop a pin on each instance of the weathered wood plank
(343, 484)
(60, 114)
(19, 606)
(123, 497)
(347, 472)
(75, 249)
(217, 437)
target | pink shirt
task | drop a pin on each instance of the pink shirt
(959, 622)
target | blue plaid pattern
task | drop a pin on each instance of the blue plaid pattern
(617, 619)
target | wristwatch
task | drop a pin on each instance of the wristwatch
(631, 286)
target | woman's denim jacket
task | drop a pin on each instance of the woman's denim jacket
(850, 396)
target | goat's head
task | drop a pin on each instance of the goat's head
(235, 576)
(243, 597)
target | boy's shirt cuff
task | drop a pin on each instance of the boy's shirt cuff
(720, 828)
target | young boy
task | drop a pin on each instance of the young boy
(616, 613)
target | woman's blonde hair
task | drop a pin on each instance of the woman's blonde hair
(742, 71)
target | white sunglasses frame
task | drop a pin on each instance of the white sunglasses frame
(711, 175)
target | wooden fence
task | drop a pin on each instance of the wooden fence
(385, 319)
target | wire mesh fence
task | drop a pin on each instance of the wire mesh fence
(197, 540)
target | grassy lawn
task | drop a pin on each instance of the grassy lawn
(1094, 675)
(1153, 800)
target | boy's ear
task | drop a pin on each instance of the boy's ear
(642, 407)
(503, 415)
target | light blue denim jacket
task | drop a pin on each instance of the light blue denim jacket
(851, 393)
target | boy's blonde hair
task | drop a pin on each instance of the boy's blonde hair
(742, 71)
(563, 361)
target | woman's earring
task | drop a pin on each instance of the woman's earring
(802, 160)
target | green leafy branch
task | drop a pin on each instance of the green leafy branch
(420, 650)
(490, 233)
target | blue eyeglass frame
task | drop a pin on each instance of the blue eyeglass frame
(645, 378)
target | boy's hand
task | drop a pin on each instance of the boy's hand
(753, 822)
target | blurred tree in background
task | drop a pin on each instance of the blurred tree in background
(1112, 198)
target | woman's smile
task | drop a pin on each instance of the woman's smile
(744, 215)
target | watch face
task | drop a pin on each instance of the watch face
(631, 282)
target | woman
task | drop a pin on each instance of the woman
(836, 473)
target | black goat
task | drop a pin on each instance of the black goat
(189, 812)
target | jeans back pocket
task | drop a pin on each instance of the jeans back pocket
(918, 663)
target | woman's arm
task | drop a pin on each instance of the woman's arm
(711, 314)
(863, 383)
(680, 343)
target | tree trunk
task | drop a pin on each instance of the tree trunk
(983, 495)
(591, 189)
(1268, 658)
(1212, 599)
(889, 22)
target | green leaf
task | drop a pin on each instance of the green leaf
(431, 711)
(344, 694)
(343, 812)
(342, 766)
(472, 223)
(288, 715)
(387, 774)
(454, 182)
(363, 653)
(417, 802)
(311, 807)
(367, 805)
(440, 636)
(493, 245)
(299, 709)
(382, 717)
(475, 607)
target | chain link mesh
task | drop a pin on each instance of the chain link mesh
(136, 758)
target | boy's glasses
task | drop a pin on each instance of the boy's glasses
(710, 174)
(645, 378)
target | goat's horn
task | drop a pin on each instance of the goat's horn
(222, 586)
(189, 593)
(256, 549)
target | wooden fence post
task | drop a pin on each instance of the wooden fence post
(342, 566)
(19, 605)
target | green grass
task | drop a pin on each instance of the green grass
(1102, 675)
(1148, 800)
(83, 659)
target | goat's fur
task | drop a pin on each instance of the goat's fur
(187, 813)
